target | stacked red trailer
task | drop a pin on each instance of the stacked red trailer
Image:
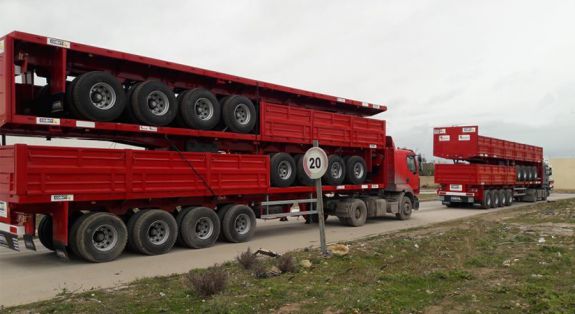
(487, 171)
(216, 152)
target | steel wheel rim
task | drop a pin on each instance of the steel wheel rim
(336, 170)
(357, 213)
(284, 170)
(358, 170)
(158, 103)
(242, 114)
(204, 228)
(158, 232)
(204, 109)
(104, 238)
(407, 207)
(242, 224)
(102, 96)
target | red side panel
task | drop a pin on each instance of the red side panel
(107, 174)
(299, 125)
(474, 174)
(465, 143)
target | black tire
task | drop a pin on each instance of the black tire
(524, 173)
(45, 234)
(508, 197)
(199, 228)
(358, 213)
(356, 170)
(98, 237)
(199, 109)
(487, 201)
(335, 174)
(302, 177)
(495, 197)
(502, 198)
(239, 223)
(518, 173)
(179, 217)
(96, 96)
(282, 170)
(153, 103)
(152, 231)
(239, 114)
(405, 208)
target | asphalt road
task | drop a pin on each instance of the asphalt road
(32, 276)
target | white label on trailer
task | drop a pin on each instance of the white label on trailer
(444, 138)
(376, 106)
(341, 99)
(58, 43)
(469, 130)
(364, 104)
(439, 131)
(62, 197)
(375, 186)
(340, 187)
(47, 121)
(464, 137)
(456, 187)
(85, 124)
(2, 46)
(372, 145)
(148, 128)
(3, 209)
(364, 186)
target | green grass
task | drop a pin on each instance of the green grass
(495, 263)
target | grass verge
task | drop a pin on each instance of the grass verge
(515, 260)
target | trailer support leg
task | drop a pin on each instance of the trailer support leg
(60, 229)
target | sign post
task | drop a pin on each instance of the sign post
(315, 164)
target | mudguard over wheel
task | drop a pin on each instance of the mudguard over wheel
(152, 231)
(96, 96)
(239, 114)
(199, 227)
(98, 237)
(238, 223)
(153, 103)
(199, 109)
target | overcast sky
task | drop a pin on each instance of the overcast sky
(508, 66)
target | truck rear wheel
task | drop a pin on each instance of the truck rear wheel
(405, 208)
(199, 228)
(358, 214)
(239, 114)
(283, 170)
(356, 170)
(335, 174)
(45, 232)
(98, 237)
(152, 231)
(508, 197)
(153, 103)
(495, 199)
(97, 96)
(487, 201)
(239, 223)
(502, 198)
(302, 177)
(199, 109)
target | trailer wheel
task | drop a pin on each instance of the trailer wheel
(199, 227)
(487, 201)
(153, 103)
(239, 223)
(405, 208)
(356, 170)
(152, 231)
(335, 174)
(283, 170)
(502, 198)
(199, 109)
(45, 232)
(96, 96)
(302, 177)
(496, 200)
(508, 197)
(98, 237)
(239, 114)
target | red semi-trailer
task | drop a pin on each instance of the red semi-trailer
(214, 153)
(487, 171)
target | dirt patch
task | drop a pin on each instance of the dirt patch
(549, 229)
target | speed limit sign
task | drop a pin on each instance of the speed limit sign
(315, 162)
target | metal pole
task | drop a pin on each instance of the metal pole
(319, 208)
